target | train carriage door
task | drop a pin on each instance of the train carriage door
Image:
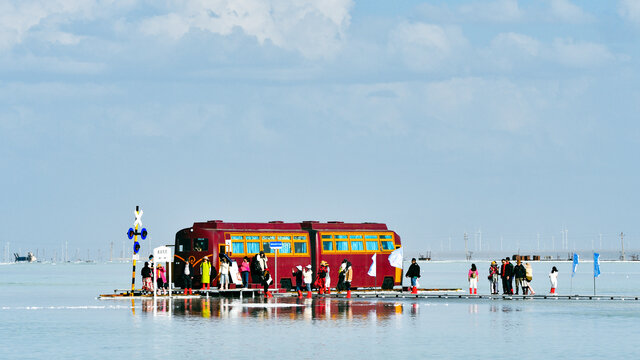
(398, 278)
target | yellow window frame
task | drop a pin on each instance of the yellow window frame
(275, 236)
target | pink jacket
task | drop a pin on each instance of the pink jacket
(471, 273)
(244, 266)
(160, 274)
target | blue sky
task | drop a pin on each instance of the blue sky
(436, 117)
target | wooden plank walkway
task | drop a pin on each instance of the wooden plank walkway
(453, 296)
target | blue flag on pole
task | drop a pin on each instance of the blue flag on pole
(596, 265)
(575, 264)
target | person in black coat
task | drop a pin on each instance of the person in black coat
(187, 278)
(508, 268)
(413, 273)
(520, 273)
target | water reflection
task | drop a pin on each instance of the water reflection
(289, 308)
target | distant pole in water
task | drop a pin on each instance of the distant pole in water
(622, 242)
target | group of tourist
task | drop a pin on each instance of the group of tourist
(506, 273)
(304, 278)
(147, 278)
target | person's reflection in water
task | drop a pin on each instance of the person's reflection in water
(414, 309)
(493, 308)
(473, 308)
(206, 308)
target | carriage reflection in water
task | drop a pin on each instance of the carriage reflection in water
(290, 308)
(304, 243)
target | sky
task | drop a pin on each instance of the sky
(516, 119)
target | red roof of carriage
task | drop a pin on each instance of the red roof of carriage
(272, 225)
(279, 225)
(341, 226)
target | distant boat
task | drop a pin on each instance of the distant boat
(29, 258)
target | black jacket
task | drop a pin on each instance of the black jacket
(414, 270)
(146, 272)
(520, 271)
(506, 270)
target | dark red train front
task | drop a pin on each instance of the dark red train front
(305, 243)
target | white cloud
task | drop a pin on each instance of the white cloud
(426, 47)
(580, 54)
(18, 19)
(566, 11)
(630, 10)
(314, 28)
(499, 11)
(512, 49)
(520, 42)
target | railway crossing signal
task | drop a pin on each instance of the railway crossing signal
(133, 234)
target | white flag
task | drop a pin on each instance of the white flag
(372, 269)
(395, 258)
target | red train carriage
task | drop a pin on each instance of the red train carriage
(303, 243)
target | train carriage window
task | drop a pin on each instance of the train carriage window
(326, 236)
(387, 245)
(303, 238)
(200, 244)
(342, 245)
(357, 245)
(253, 247)
(372, 245)
(252, 237)
(236, 237)
(237, 247)
(371, 237)
(355, 237)
(266, 248)
(327, 245)
(284, 238)
(300, 247)
(268, 237)
(385, 236)
(340, 236)
(286, 248)
(184, 245)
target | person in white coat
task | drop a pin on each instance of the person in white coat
(307, 273)
(553, 278)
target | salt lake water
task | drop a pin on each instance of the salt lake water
(51, 311)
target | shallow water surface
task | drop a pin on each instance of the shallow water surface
(52, 312)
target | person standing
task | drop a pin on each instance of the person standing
(266, 281)
(413, 273)
(494, 274)
(224, 273)
(472, 277)
(327, 279)
(340, 284)
(205, 270)
(245, 268)
(528, 279)
(321, 277)
(509, 270)
(262, 261)
(553, 278)
(503, 277)
(161, 279)
(147, 279)
(348, 277)
(187, 278)
(307, 273)
(520, 273)
(296, 272)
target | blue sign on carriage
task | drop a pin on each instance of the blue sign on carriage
(275, 244)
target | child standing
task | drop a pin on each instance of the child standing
(473, 280)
